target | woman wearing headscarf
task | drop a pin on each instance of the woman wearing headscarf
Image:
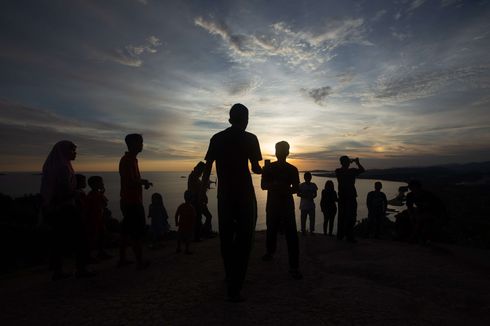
(59, 195)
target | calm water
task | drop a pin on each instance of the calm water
(172, 186)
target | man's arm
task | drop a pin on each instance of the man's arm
(361, 169)
(295, 182)
(256, 167)
(207, 173)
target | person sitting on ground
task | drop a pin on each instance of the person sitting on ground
(96, 226)
(281, 180)
(159, 218)
(185, 219)
(425, 210)
(377, 204)
(307, 191)
(328, 203)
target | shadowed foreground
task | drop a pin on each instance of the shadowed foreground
(371, 283)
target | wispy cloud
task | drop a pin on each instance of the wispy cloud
(297, 48)
(402, 84)
(130, 55)
(415, 4)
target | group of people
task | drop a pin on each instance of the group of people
(78, 220)
(232, 150)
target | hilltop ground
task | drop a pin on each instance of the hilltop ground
(373, 282)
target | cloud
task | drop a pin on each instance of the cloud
(130, 55)
(305, 49)
(416, 4)
(402, 85)
(319, 95)
(447, 3)
(377, 16)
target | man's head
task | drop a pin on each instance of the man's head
(134, 143)
(414, 186)
(378, 185)
(282, 150)
(307, 176)
(344, 161)
(239, 116)
(96, 182)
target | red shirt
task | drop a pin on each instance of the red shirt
(131, 188)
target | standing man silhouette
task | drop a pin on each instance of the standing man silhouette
(232, 148)
(346, 178)
(281, 180)
(134, 219)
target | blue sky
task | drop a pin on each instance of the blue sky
(396, 83)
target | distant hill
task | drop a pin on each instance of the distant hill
(449, 173)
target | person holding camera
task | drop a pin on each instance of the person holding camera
(346, 178)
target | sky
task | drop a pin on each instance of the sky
(395, 83)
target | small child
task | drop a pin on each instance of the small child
(96, 203)
(307, 191)
(185, 217)
(159, 218)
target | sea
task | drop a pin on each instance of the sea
(171, 185)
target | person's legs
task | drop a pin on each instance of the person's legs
(331, 221)
(304, 215)
(312, 220)
(207, 228)
(246, 220)
(272, 222)
(292, 241)
(350, 219)
(198, 224)
(341, 219)
(325, 223)
(226, 228)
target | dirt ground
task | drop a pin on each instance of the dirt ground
(373, 282)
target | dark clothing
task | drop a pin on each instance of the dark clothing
(328, 204)
(131, 189)
(377, 204)
(232, 149)
(281, 180)
(347, 218)
(346, 179)
(133, 223)
(69, 235)
(194, 186)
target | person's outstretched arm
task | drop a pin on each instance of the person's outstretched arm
(256, 167)
(207, 173)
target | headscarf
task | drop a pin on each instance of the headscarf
(58, 178)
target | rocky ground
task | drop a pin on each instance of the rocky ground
(373, 282)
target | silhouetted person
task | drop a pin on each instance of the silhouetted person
(377, 204)
(96, 204)
(281, 180)
(158, 218)
(59, 195)
(328, 204)
(134, 222)
(185, 218)
(232, 148)
(425, 210)
(346, 178)
(196, 189)
(307, 191)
